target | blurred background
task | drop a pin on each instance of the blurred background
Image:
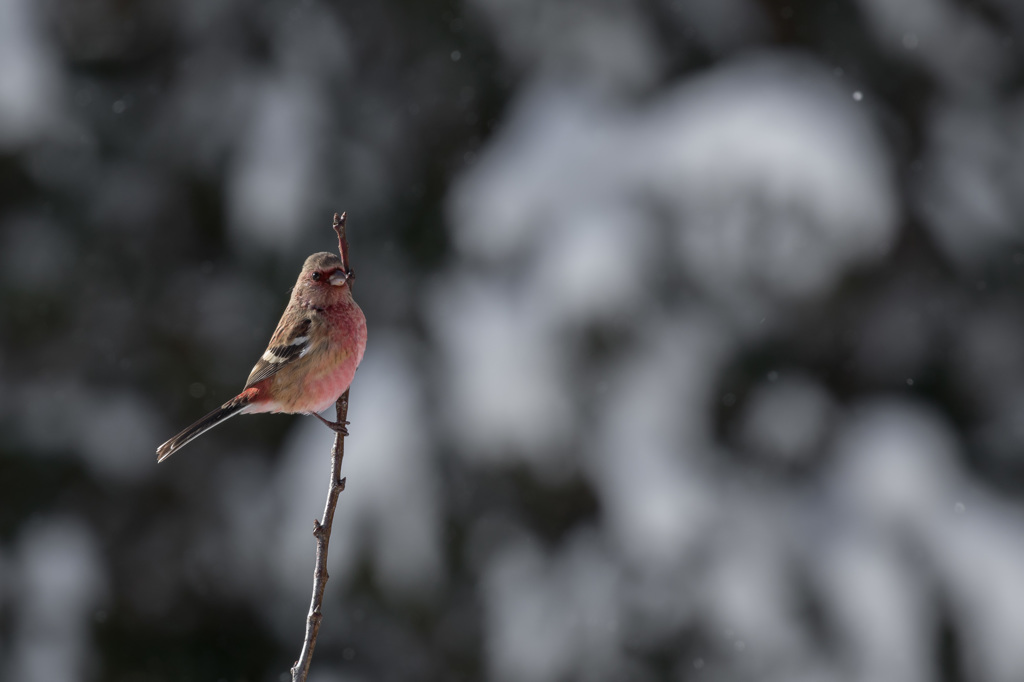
(696, 339)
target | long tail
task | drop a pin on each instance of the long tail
(222, 413)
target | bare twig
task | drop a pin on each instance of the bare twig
(322, 531)
(339, 228)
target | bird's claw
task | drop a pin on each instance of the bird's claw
(337, 427)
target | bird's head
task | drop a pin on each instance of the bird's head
(324, 280)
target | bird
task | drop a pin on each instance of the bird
(311, 358)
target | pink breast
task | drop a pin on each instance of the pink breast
(348, 343)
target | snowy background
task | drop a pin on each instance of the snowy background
(696, 339)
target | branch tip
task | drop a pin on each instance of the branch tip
(339, 229)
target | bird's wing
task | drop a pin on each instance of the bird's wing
(291, 341)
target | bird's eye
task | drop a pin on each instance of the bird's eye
(316, 276)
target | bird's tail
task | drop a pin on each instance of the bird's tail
(222, 413)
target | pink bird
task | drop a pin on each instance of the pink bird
(312, 356)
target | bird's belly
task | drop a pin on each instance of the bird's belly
(326, 386)
(324, 390)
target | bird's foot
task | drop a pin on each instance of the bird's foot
(337, 427)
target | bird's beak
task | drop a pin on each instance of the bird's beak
(338, 277)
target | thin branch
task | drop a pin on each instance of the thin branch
(322, 532)
(339, 228)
